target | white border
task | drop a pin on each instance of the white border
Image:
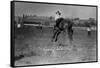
(5, 33)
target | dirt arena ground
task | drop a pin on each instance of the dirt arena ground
(33, 46)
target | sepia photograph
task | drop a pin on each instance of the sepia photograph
(53, 33)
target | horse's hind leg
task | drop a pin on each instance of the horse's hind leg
(70, 35)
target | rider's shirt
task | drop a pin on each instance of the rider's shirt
(57, 16)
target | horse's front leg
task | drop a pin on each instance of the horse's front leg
(54, 35)
(54, 29)
(57, 34)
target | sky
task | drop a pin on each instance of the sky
(68, 11)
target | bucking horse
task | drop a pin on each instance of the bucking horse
(61, 26)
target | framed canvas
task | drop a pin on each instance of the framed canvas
(53, 33)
